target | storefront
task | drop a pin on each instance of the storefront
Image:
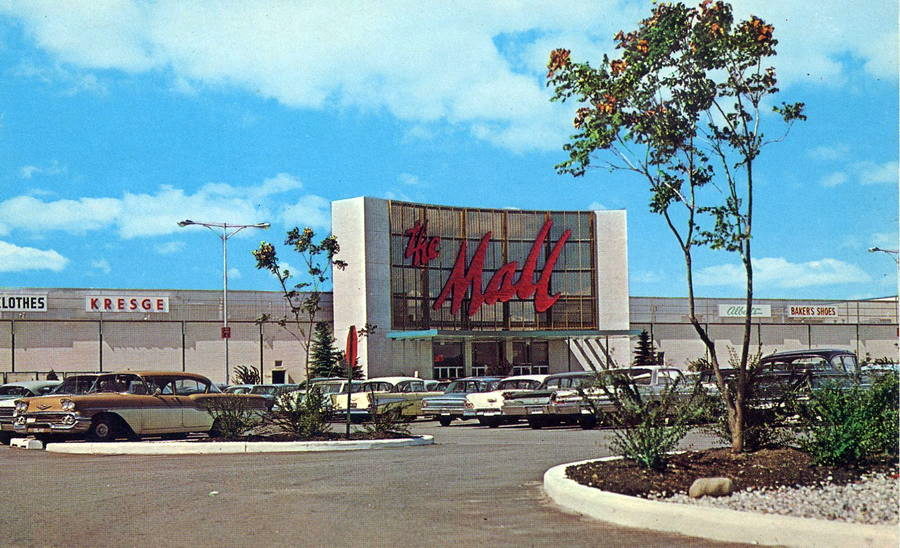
(466, 291)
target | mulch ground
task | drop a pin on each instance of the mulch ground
(759, 469)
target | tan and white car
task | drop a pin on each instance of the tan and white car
(383, 393)
(488, 406)
(128, 404)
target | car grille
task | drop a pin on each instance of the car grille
(6, 412)
(46, 418)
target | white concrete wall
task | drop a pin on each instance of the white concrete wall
(362, 292)
(611, 235)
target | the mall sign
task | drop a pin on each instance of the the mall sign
(504, 284)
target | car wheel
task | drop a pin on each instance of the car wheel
(5, 437)
(445, 421)
(216, 430)
(493, 422)
(587, 422)
(102, 429)
(536, 423)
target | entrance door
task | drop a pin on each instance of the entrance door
(487, 358)
(447, 360)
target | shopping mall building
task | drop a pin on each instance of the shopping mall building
(451, 292)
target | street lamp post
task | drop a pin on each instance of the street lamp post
(893, 252)
(222, 231)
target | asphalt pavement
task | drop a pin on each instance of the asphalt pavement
(475, 487)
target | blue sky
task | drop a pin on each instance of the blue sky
(120, 118)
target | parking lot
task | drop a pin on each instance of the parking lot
(476, 486)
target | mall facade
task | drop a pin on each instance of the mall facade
(450, 292)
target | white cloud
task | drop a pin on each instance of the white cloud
(596, 206)
(871, 173)
(310, 210)
(169, 248)
(27, 172)
(475, 67)
(234, 274)
(646, 276)
(157, 213)
(886, 239)
(15, 258)
(102, 265)
(779, 273)
(399, 196)
(409, 179)
(830, 153)
(834, 179)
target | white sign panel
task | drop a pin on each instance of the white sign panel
(23, 303)
(810, 311)
(129, 303)
(740, 311)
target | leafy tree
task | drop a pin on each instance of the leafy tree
(682, 108)
(246, 374)
(304, 298)
(645, 353)
(325, 360)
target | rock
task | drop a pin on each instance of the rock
(711, 487)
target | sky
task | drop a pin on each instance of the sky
(118, 119)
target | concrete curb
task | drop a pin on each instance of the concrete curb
(228, 447)
(712, 523)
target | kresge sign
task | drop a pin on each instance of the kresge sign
(129, 303)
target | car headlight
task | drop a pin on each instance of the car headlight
(67, 405)
(21, 406)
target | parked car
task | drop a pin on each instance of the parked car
(649, 380)
(531, 405)
(271, 392)
(238, 389)
(26, 389)
(383, 392)
(129, 404)
(10, 392)
(452, 403)
(488, 406)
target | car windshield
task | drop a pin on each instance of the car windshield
(14, 391)
(520, 384)
(75, 384)
(122, 383)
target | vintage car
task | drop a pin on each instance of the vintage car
(128, 404)
(531, 405)
(26, 389)
(488, 405)
(238, 389)
(271, 392)
(649, 380)
(10, 392)
(382, 393)
(559, 399)
(452, 403)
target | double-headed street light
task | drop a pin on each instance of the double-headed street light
(224, 231)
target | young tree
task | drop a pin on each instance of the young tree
(325, 360)
(246, 374)
(644, 354)
(682, 108)
(303, 298)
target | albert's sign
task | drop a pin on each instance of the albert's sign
(507, 282)
(740, 311)
(128, 303)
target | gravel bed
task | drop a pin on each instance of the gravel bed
(873, 500)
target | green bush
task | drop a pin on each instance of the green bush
(232, 416)
(389, 419)
(648, 426)
(304, 415)
(845, 425)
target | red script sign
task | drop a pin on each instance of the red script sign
(501, 287)
(420, 247)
